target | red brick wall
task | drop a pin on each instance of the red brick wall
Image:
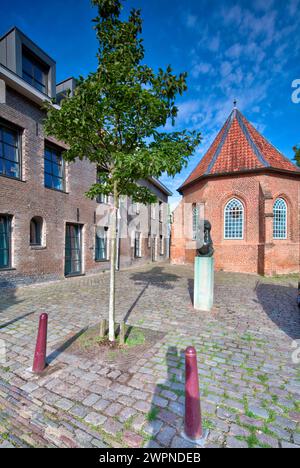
(28, 198)
(257, 252)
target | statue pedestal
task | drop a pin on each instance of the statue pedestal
(204, 283)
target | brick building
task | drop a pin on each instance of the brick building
(250, 193)
(48, 228)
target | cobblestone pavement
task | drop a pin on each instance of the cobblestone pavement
(250, 386)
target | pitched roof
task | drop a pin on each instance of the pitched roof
(239, 147)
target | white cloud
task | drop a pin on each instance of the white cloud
(190, 20)
(214, 43)
(293, 6)
(263, 5)
(225, 68)
(188, 112)
(201, 68)
(234, 51)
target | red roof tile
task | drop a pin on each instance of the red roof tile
(239, 147)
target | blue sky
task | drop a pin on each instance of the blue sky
(248, 50)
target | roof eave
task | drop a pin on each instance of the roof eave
(161, 186)
(243, 172)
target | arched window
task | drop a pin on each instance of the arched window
(234, 220)
(36, 231)
(280, 219)
(195, 221)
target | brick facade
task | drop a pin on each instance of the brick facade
(225, 173)
(27, 198)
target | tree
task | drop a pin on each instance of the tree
(116, 119)
(297, 154)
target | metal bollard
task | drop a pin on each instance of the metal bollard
(39, 361)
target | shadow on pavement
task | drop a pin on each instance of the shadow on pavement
(173, 357)
(8, 299)
(65, 346)
(280, 304)
(157, 277)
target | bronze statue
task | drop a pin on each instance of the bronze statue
(207, 249)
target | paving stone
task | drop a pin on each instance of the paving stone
(64, 404)
(247, 421)
(179, 442)
(267, 440)
(153, 427)
(165, 436)
(98, 443)
(158, 401)
(296, 437)
(95, 419)
(29, 387)
(241, 341)
(289, 445)
(138, 422)
(258, 411)
(279, 432)
(143, 406)
(226, 414)
(6, 444)
(125, 414)
(152, 444)
(112, 427)
(101, 404)
(91, 400)
(82, 436)
(236, 430)
(113, 409)
(132, 440)
(232, 442)
(79, 411)
(177, 408)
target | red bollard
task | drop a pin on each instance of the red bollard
(193, 430)
(39, 362)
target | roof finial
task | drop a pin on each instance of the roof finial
(234, 103)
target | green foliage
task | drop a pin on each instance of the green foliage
(136, 337)
(117, 115)
(153, 413)
(297, 154)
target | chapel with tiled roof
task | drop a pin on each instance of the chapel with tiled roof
(249, 191)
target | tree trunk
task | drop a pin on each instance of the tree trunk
(113, 252)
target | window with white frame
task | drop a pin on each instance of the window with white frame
(138, 245)
(280, 219)
(195, 220)
(101, 245)
(234, 220)
(161, 245)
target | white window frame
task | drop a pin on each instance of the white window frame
(195, 213)
(138, 252)
(162, 246)
(280, 199)
(232, 237)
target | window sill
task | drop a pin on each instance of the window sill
(74, 275)
(38, 247)
(17, 179)
(102, 261)
(56, 190)
(7, 269)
